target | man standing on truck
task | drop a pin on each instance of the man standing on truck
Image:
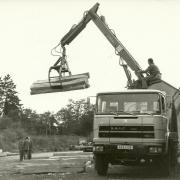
(153, 72)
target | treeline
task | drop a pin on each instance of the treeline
(75, 118)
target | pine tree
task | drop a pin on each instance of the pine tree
(9, 100)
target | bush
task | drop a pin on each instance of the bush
(10, 137)
(53, 143)
(5, 122)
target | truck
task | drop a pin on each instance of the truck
(135, 126)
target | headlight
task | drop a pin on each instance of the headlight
(155, 149)
(98, 148)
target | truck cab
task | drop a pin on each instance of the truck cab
(130, 128)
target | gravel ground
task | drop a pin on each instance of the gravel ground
(69, 166)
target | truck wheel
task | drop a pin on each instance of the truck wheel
(165, 166)
(168, 164)
(174, 154)
(101, 165)
(173, 158)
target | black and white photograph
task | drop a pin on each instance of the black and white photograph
(89, 89)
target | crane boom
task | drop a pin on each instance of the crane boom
(111, 37)
(64, 82)
(120, 49)
(76, 29)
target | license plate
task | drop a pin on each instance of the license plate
(128, 147)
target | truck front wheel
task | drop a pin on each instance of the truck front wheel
(101, 165)
(169, 162)
(165, 166)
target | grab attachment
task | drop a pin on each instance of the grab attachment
(61, 67)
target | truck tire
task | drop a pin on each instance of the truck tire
(169, 162)
(165, 166)
(174, 154)
(173, 158)
(101, 165)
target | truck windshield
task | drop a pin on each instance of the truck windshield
(128, 103)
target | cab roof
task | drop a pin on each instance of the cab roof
(134, 91)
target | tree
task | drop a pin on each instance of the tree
(64, 119)
(9, 101)
(5, 122)
(29, 120)
(48, 122)
(86, 121)
(76, 118)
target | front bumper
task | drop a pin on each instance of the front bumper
(134, 150)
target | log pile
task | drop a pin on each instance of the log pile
(67, 83)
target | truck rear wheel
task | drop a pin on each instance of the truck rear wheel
(101, 165)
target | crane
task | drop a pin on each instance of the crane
(61, 65)
(146, 128)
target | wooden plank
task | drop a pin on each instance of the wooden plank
(53, 90)
(71, 83)
(66, 78)
(57, 83)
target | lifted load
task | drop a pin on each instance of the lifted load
(67, 83)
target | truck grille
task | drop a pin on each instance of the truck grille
(126, 131)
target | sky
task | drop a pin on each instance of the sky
(30, 29)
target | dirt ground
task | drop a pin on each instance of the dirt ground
(70, 165)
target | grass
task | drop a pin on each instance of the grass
(9, 141)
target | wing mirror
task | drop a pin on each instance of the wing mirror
(91, 101)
